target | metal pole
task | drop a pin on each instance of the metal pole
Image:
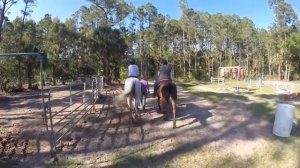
(52, 142)
(42, 87)
(83, 95)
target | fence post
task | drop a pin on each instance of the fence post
(93, 96)
(97, 86)
(52, 141)
(83, 95)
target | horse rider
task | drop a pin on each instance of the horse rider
(164, 74)
(133, 74)
(133, 69)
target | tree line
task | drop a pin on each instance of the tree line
(101, 38)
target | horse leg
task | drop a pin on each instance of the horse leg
(136, 113)
(174, 111)
(138, 95)
(144, 101)
(129, 102)
(158, 99)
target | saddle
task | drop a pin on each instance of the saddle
(164, 82)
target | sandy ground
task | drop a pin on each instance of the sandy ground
(227, 125)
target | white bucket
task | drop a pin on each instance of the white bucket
(283, 120)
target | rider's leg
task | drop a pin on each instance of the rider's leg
(155, 87)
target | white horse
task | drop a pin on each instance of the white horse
(132, 91)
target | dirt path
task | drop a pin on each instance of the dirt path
(108, 135)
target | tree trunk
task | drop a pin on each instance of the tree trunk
(279, 73)
(270, 71)
(286, 71)
(289, 72)
(208, 64)
(53, 75)
(189, 57)
(23, 21)
(195, 70)
(106, 71)
(29, 75)
(2, 18)
(269, 62)
(19, 80)
(184, 52)
(212, 67)
(239, 65)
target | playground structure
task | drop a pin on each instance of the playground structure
(233, 72)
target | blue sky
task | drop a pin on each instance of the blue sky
(257, 10)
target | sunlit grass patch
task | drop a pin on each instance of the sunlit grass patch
(207, 91)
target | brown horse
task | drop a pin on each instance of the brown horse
(167, 90)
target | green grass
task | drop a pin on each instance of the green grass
(8, 163)
(209, 95)
(274, 154)
(262, 100)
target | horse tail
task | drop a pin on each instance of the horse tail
(169, 90)
(166, 91)
(129, 86)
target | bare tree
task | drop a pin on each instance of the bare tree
(26, 12)
(4, 7)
